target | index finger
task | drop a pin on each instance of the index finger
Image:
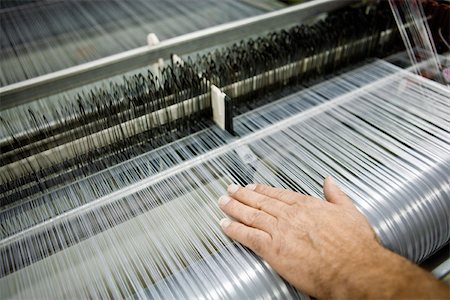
(256, 200)
(287, 196)
(255, 239)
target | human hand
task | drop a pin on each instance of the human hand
(323, 248)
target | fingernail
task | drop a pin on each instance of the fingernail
(223, 200)
(224, 223)
(251, 186)
(232, 188)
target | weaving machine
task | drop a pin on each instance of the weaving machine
(111, 170)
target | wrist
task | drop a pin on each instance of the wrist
(381, 273)
(372, 273)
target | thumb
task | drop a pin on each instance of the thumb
(334, 194)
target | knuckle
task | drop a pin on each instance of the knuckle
(282, 193)
(242, 192)
(258, 187)
(254, 218)
(230, 230)
(233, 230)
(254, 242)
(290, 212)
(262, 202)
(259, 203)
(232, 206)
(229, 208)
(300, 198)
(261, 188)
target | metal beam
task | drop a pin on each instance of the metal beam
(53, 83)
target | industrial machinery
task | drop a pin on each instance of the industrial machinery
(111, 169)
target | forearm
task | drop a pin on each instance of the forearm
(386, 275)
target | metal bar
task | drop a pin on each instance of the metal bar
(50, 84)
(442, 270)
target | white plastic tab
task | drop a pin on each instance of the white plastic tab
(152, 40)
(218, 106)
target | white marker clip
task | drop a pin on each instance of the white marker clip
(152, 41)
(218, 106)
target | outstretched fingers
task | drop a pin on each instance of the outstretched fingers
(286, 196)
(247, 215)
(256, 200)
(255, 239)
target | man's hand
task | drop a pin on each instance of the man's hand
(324, 248)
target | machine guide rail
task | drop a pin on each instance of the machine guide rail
(50, 84)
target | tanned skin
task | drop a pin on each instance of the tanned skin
(326, 249)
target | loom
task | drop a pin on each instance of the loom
(111, 169)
